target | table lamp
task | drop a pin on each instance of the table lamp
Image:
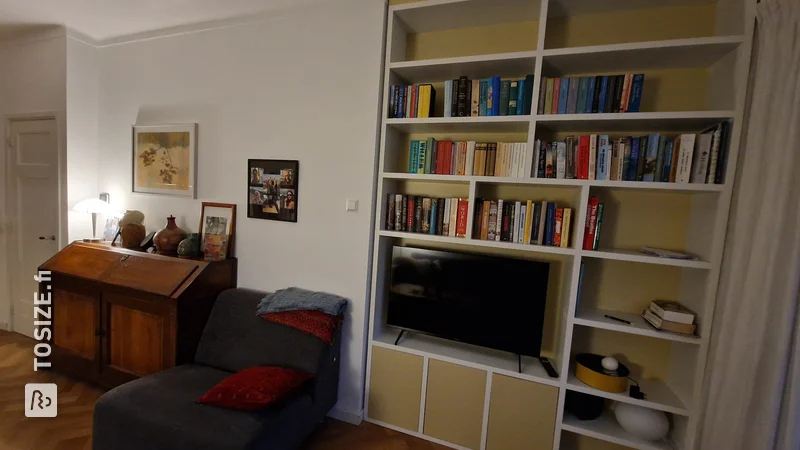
(95, 206)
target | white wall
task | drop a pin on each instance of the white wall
(82, 104)
(32, 80)
(303, 85)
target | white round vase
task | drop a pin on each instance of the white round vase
(645, 423)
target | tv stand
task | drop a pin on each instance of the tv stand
(402, 332)
(519, 363)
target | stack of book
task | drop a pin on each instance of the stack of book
(527, 222)
(414, 101)
(488, 97)
(500, 159)
(686, 158)
(415, 214)
(594, 222)
(585, 95)
(670, 316)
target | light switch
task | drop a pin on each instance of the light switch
(351, 205)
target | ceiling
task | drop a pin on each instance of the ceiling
(107, 19)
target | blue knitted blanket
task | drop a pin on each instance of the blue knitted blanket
(297, 299)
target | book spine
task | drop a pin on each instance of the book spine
(634, 160)
(541, 165)
(542, 95)
(626, 93)
(668, 172)
(621, 148)
(565, 227)
(515, 223)
(572, 96)
(583, 87)
(446, 218)
(523, 212)
(569, 144)
(461, 224)
(701, 157)
(537, 217)
(520, 98)
(619, 84)
(403, 219)
(651, 158)
(453, 217)
(609, 104)
(563, 96)
(439, 216)
(390, 214)
(550, 165)
(464, 86)
(513, 92)
(498, 232)
(583, 158)
(495, 96)
(392, 101)
(398, 212)
(410, 212)
(418, 211)
(713, 162)
(548, 98)
(542, 224)
(527, 226)
(719, 177)
(603, 94)
(603, 169)
(454, 98)
(413, 161)
(528, 101)
(637, 84)
(591, 221)
(475, 97)
(485, 212)
(434, 220)
(448, 90)
(686, 154)
(640, 163)
(590, 89)
(491, 233)
(505, 94)
(592, 157)
(662, 149)
(436, 156)
(598, 86)
(561, 160)
(626, 159)
(597, 227)
(483, 97)
(491, 158)
(557, 229)
(551, 223)
(556, 96)
(401, 102)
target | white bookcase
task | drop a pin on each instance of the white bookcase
(692, 217)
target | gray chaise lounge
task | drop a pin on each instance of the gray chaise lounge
(159, 411)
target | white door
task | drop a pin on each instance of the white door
(33, 208)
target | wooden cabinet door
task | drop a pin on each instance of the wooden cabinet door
(139, 336)
(76, 323)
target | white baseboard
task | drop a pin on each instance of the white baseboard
(346, 416)
(4, 326)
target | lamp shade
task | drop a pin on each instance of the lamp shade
(95, 206)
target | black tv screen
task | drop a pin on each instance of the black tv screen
(482, 300)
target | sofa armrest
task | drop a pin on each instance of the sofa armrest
(325, 385)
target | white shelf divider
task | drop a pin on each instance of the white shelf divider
(479, 243)
(634, 256)
(641, 121)
(518, 124)
(607, 429)
(480, 66)
(659, 395)
(595, 318)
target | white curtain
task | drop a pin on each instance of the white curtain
(753, 372)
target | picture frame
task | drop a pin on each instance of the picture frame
(218, 219)
(272, 189)
(164, 159)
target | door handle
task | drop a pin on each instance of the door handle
(47, 238)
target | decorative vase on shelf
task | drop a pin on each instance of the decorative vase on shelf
(131, 229)
(645, 423)
(167, 239)
(188, 247)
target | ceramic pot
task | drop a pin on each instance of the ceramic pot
(167, 239)
(132, 235)
(642, 422)
(188, 247)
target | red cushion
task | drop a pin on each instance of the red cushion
(312, 322)
(254, 388)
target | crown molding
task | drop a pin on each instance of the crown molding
(36, 33)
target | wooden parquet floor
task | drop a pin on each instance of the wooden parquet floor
(72, 429)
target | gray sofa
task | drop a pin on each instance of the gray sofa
(159, 411)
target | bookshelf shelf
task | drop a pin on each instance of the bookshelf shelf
(669, 54)
(659, 395)
(465, 354)
(635, 185)
(595, 318)
(607, 429)
(483, 66)
(634, 256)
(437, 15)
(643, 121)
(479, 243)
(494, 124)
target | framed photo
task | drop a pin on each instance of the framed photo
(218, 220)
(111, 229)
(165, 160)
(272, 189)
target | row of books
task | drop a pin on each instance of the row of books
(593, 225)
(585, 95)
(502, 159)
(526, 222)
(665, 315)
(488, 97)
(686, 158)
(418, 100)
(416, 214)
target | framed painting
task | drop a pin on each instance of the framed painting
(272, 189)
(165, 160)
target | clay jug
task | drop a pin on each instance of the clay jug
(167, 239)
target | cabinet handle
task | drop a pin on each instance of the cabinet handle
(47, 238)
(99, 333)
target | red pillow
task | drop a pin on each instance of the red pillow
(254, 388)
(312, 322)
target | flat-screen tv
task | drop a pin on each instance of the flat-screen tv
(482, 300)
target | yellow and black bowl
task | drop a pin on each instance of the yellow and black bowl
(589, 370)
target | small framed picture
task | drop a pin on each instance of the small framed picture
(218, 219)
(272, 189)
(111, 229)
(165, 159)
